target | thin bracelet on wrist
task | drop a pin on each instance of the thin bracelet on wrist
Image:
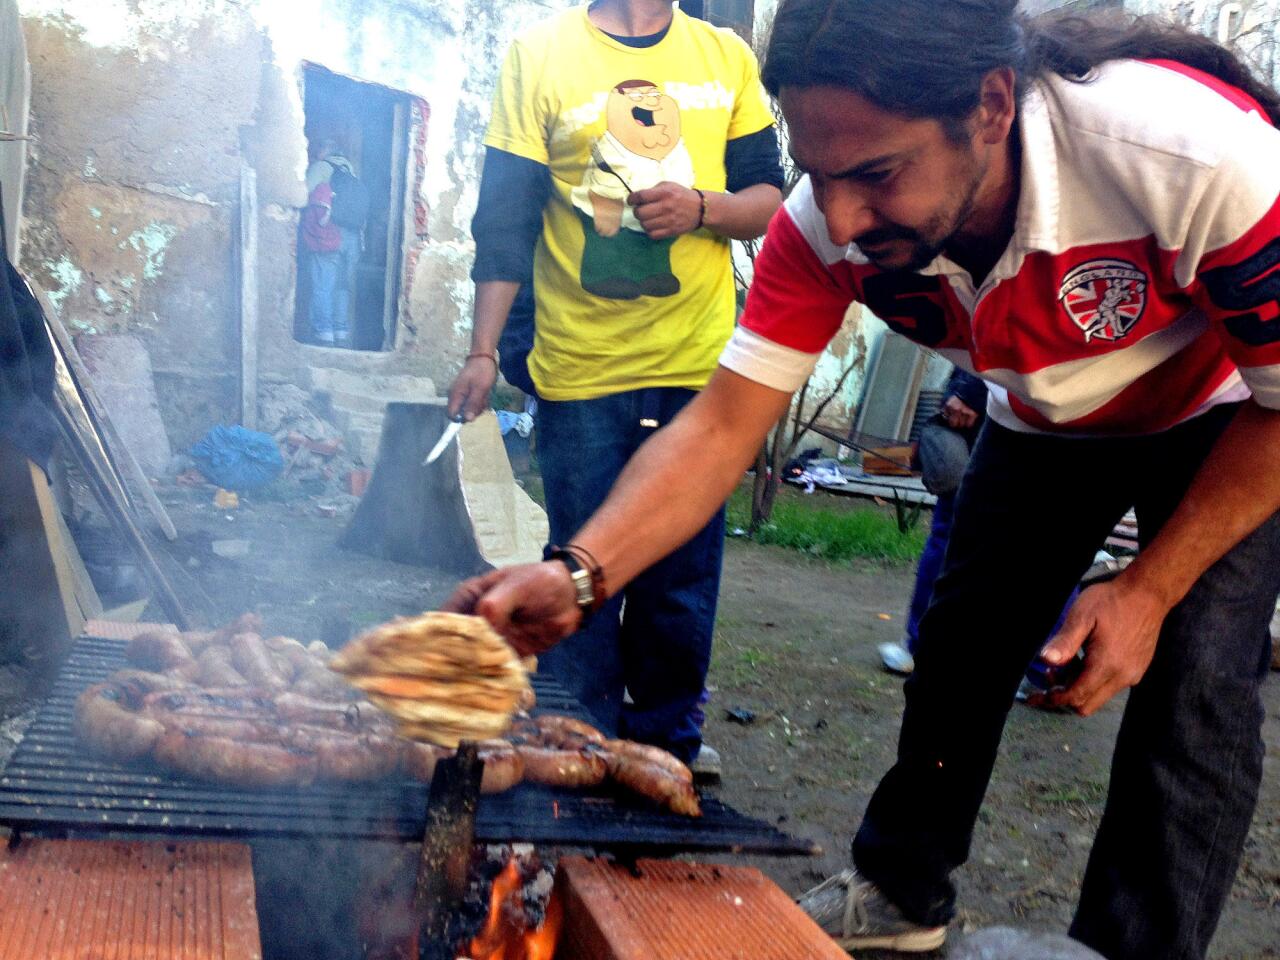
(593, 566)
(488, 356)
(702, 213)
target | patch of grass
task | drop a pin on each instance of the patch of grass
(839, 536)
(1091, 793)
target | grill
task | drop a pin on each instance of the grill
(51, 785)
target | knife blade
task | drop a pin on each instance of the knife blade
(450, 432)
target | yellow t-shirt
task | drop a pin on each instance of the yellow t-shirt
(615, 310)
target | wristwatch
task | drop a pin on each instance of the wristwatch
(584, 593)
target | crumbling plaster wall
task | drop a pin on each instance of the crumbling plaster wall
(143, 111)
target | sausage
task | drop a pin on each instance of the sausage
(214, 669)
(419, 759)
(629, 750)
(562, 768)
(315, 680)
(362, 716)
(320, 650)
(251, 657)
(159, 651)
(566, 731)
(245, 623)
(348, 756)
(528, 699)
(231, 761)
(503, 766)
(103, 720)
(233, 704)
(293, 654)
(198, 641)
(195, 724)
(657, 783)
(138, 683)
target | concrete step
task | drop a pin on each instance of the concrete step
(356, 403)
(383, 387)
(356, 422)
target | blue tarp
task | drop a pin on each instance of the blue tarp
(238, 459)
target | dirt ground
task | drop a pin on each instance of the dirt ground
(796, 646)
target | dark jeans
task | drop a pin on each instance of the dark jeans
(658, 645)
(1188, 758)
(930, 565)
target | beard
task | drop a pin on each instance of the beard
(902, 249)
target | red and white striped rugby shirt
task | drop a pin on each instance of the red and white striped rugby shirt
(1140, 286)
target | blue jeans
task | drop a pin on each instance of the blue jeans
(332, 280)
(657, 645)
(1188, 757)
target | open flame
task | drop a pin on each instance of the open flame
(506, 934)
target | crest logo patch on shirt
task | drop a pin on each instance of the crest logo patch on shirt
(1104, 298)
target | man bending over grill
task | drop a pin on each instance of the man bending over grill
(1084, 212)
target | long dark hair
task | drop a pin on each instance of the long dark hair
(926, 58)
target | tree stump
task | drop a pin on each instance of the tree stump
(411, 513)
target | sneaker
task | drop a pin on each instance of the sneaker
(856, 915)
(706, 766)
(897, 658)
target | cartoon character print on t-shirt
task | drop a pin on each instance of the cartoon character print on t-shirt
(641, 147)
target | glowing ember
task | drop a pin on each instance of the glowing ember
(506, 934)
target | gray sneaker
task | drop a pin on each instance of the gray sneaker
(855, 914)
(706, 766)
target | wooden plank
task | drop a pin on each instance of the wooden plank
(97, 410)
(127, 612)
(401, 209)
(67, 554)
(248, 261)
(86, 450)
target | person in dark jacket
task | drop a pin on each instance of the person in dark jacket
(945, 443)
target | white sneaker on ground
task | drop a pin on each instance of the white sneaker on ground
(855, 914)
(896, 658)
(706, 765)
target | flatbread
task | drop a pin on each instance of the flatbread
(444, 677)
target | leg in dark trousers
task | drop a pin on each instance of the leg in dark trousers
(1188, 758)
(667, 627)
(1030, 515)
(653, 639)
(582, 447)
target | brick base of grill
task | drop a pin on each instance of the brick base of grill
(129, 901)
(681, 911)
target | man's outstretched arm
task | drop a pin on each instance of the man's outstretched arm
(667, 493)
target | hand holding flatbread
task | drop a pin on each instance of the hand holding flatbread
(445, 677)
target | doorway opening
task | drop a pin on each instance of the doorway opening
(349, 257)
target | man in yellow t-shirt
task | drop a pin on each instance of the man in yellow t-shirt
(628, 144)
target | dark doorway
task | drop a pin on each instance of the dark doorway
(366, 124)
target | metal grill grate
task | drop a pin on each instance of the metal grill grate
(51, 784)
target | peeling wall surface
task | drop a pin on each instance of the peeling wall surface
(143, 111)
